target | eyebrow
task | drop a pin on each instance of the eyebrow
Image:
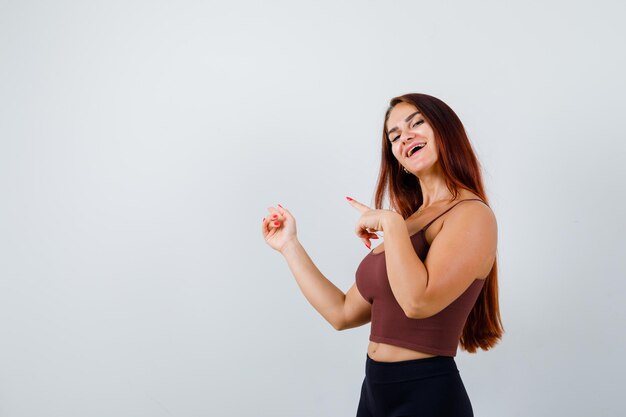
(406, 120)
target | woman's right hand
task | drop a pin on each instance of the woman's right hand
(279, 227)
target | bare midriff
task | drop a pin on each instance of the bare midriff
(383, 352)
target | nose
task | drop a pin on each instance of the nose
(405, 136)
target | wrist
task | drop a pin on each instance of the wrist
(289, 245)
(391, 220)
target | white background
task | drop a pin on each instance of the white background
(141, 143)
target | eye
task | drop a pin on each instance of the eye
(419, 122)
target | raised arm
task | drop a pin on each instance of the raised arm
(323, 295)
(342, 311)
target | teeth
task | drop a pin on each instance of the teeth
(415, 149)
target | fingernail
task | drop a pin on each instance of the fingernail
(280, 206)
(368, 246)
(274, 216)
(276, 223)
(349, 198)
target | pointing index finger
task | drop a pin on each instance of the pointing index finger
(359, 206)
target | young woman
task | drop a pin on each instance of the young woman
(432, 284)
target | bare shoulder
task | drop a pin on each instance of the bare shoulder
(471, 211)
(476, 222)
(472, 201)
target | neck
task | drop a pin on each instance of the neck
(434, 189)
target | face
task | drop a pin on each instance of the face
(406, 127)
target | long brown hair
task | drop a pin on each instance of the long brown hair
(483, 328)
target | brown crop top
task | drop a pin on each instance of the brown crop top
(438, 334)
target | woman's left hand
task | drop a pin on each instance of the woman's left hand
(371, 221)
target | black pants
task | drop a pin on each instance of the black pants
(429, 387)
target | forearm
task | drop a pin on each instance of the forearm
(407, 274)
(323, 295)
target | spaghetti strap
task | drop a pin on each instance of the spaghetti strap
(467, 199)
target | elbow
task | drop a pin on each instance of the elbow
(418, 307)
(338, 326)
(415, 314)
(411, 313)
(415, 311)
(338, 322)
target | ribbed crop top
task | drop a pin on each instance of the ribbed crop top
(438, 334)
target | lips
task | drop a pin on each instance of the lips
(416, 152)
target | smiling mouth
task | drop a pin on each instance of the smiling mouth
(416, 152)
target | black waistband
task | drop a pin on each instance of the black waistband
(387, 372)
